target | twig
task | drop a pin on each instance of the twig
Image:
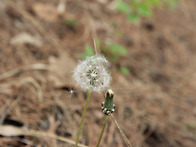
(122, 133)
(16, 131)
(8, 108)
(3, 116)
(27, 16)
(11, 73)
(23, 81)
(95, 46)
(45, 134)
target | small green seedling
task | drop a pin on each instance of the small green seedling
(114, 51)
(124, 70)
(89, 51)
(36, 136)
(135, 9)
(123, 7)
(108, 107)
(71, 23)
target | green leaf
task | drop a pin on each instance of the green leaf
(172, 4)
(123, 7)
(89, 51)
(36, 136)
(133, 17)
(125, 70)
(71, 22)
(144, 11)
(117, 49)
(155, 2)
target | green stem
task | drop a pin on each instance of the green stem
(83, 115)
(103, 128)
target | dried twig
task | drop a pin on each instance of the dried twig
(122, 133)
(11, 73)
(24, 81)
(3, 116)
(27, 16)
(7, 130)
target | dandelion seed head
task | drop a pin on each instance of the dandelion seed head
(93, 73)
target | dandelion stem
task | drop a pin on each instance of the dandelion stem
(103, 128)
(83, 115)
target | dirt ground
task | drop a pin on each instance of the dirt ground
(40, 103)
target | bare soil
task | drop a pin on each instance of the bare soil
(40, 47)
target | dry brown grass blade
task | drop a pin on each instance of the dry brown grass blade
(24, 81)
(3, 115)
(11, 73)
(93, 32)
(122, 133)
(7, 108)
(187, 12)
(49, 37)
(7, 130)
(27, 16)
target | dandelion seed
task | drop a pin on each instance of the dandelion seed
(70, 92)
(92, 73)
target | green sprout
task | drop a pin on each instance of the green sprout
(135, 9)
(89, 51)
(124, 70)
(72, 23)
(114, 51)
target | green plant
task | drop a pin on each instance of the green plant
(124, 70)
(113, 50)
(108, 108)
(116, 50)
(134, 9)
(71, 23)
(91, 74)
(88, 51)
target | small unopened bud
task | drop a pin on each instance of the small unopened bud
(108, 107)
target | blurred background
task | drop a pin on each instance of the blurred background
(151, 47)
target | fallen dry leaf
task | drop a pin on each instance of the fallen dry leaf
(9, 131)
(26, 38)
(45, 11)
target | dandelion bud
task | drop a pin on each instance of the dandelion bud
(92, 73)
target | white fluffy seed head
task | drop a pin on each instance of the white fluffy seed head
(92, 73)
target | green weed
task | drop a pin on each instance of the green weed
(135, 9)
(124, 70)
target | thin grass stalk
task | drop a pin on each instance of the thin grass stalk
(103, 128)
(122, 133)
(83, 116)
